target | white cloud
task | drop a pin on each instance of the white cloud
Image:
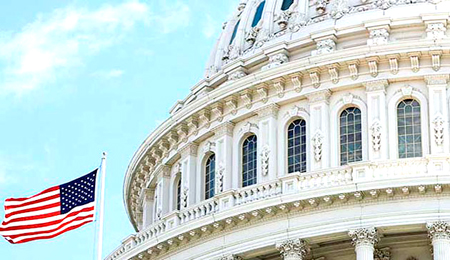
(47, 48)
(210, 27)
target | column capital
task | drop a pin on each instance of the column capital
(294, 249)
(364, 236)
(439, 230)
(269, 110)
(189, 149)
(376, 85)
(438, 79)
(224, 129)
(230, 257)
(319, 96)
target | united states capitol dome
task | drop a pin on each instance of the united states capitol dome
(320, 130)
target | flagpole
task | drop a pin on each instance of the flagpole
(101, 208)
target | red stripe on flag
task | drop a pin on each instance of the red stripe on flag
(23, 199)
(31, 202)
(49, 206)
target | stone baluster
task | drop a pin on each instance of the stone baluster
(364, 240)
(439, 233)
(294, 249)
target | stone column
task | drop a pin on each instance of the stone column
(162, 192)
(377, 119)
(438, 121)
(439, 233)
(364, 240)
(267, 142)
(224, 156)
(319, 129)
(188, 175)
(294, 249)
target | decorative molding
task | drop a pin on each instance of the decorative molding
(263, 93)
(407, 90)
(189, 149)
(217, 110)
(248, 128)
(373, 66)
(209, 147)
(315, 78)
(436, 60)
(225, 128)
(269, 110)
(439, 230)
(317, 140)
(334, 74)
(279, 85)
(378, 36)
(436, 31)
(353, 68)
(439, 79)
(219, 177)
(294, 249)
(246, 97)
(415, 62)
(438, 129)
(324, 46)
(276, 60)
(382, 254)
(393, 64)
(297, 82)
(237, 74)
(295, 112)
(348, 98)
(232, 104)
(376, 85)
(375, 134)
(265, 153)
(364, 236)
(319, 96)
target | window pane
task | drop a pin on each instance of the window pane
(178, 194)
(286, 4)
(350, 135)
(210, 177)
(249, 161)
(297, 146)
(409, 129)
(236, 27)
(258, 14)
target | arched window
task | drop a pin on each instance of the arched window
(409, 129)
(350, 135)
(210, 176)
(249, 161)
(179, 194)
(286, 4)
(297, 146)
(233, 36)
(258, 14)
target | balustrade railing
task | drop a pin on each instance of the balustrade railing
(363, 172)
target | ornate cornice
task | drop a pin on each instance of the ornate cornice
(376, 85)
(189, 149)
(319, 96)
(294, 249)
(439, 230)
(269, 110)
(364, 236)
(224, 129)
(439, 79)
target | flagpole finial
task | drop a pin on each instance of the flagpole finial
(104, 155)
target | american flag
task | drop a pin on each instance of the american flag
(50, 213)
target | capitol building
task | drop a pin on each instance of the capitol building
(320, 131)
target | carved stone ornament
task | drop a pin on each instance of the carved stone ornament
(230, 257)
(276, 60)
(364, 236)
(238, 74)
(184, 197)
(438, 129)
(318, 145)
(436, 31)
(325, 46)
(339, 9)
(439, 230)
(378, 36)
(295, 249)
(283, 19)
(375, 134)
(382, 254)
(252, 35)
(265, 153)
(321, 6)
(219, 177)
(247, 128)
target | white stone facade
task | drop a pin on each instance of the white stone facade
(312, 61)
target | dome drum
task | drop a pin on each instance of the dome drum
(321, 130)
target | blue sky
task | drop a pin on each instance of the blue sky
(80, 77)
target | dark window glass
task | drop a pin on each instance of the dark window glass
(259, 13)
(350, 135)
(286, 4)
(179, 194)
(409, 129)
(210, 177)
(297, 146)
(249, 161)
(236, 27)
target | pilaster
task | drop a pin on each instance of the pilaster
(377, 119)
(437, 89)
(149, 199)
(319, 129)
(267, 141)
(188, 175)
(162, 196)
(224, 156)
